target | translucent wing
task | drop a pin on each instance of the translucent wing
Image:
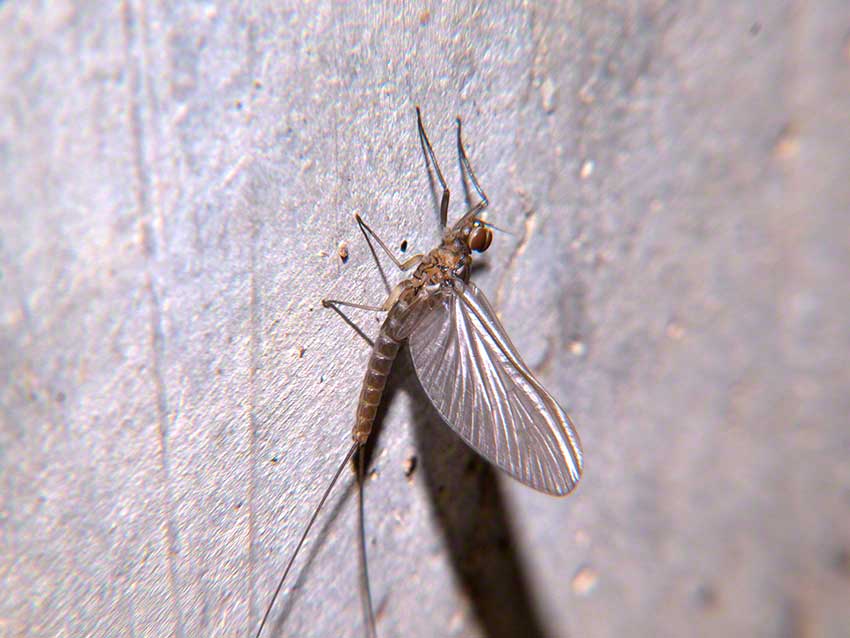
(479, 384)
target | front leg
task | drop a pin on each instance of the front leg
(403, 266)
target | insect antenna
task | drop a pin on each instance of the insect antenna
(429, 153)
(466, 173)
(487, 224)
(348, 456)
(466, 169)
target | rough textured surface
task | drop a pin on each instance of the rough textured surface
(174, 184)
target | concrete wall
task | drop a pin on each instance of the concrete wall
(175, 179)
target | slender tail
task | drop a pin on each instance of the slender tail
(368, 609)
(330, 487)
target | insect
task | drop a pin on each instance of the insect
(465, 361)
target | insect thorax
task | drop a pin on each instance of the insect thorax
(442, 265)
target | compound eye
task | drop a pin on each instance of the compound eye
(480, 238)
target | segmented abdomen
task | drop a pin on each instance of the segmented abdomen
(380, 362)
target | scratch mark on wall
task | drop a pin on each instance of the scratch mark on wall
(254, 356)
(135, 62)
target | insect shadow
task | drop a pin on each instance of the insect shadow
(469, 507)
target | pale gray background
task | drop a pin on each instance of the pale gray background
(174, 181)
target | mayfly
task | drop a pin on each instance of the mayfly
(465, 361)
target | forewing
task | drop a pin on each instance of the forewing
(479, 384)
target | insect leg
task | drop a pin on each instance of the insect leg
(405, 265)
(334, 304)
(327, 303)
(429, 153)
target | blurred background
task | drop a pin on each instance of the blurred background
(176, 180)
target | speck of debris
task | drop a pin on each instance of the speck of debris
(322, 379)
(424, 18)
(675, 331)
(258, 84)
(238, 105)
(705, 596)
(586, 169)
(547, 95)
(60, 397)
(301, 351)
(787, 144)
(342, 251)
(238, 505)
(755, 28)
(842, 562)
(219, 372)
(582, 538)
(274, 459)
(410, 465)
(585, 580)
(472, 465)
(577, 348)
(404, 246)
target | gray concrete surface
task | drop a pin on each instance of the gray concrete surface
(175, 179)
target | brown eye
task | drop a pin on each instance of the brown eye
(480, 238)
